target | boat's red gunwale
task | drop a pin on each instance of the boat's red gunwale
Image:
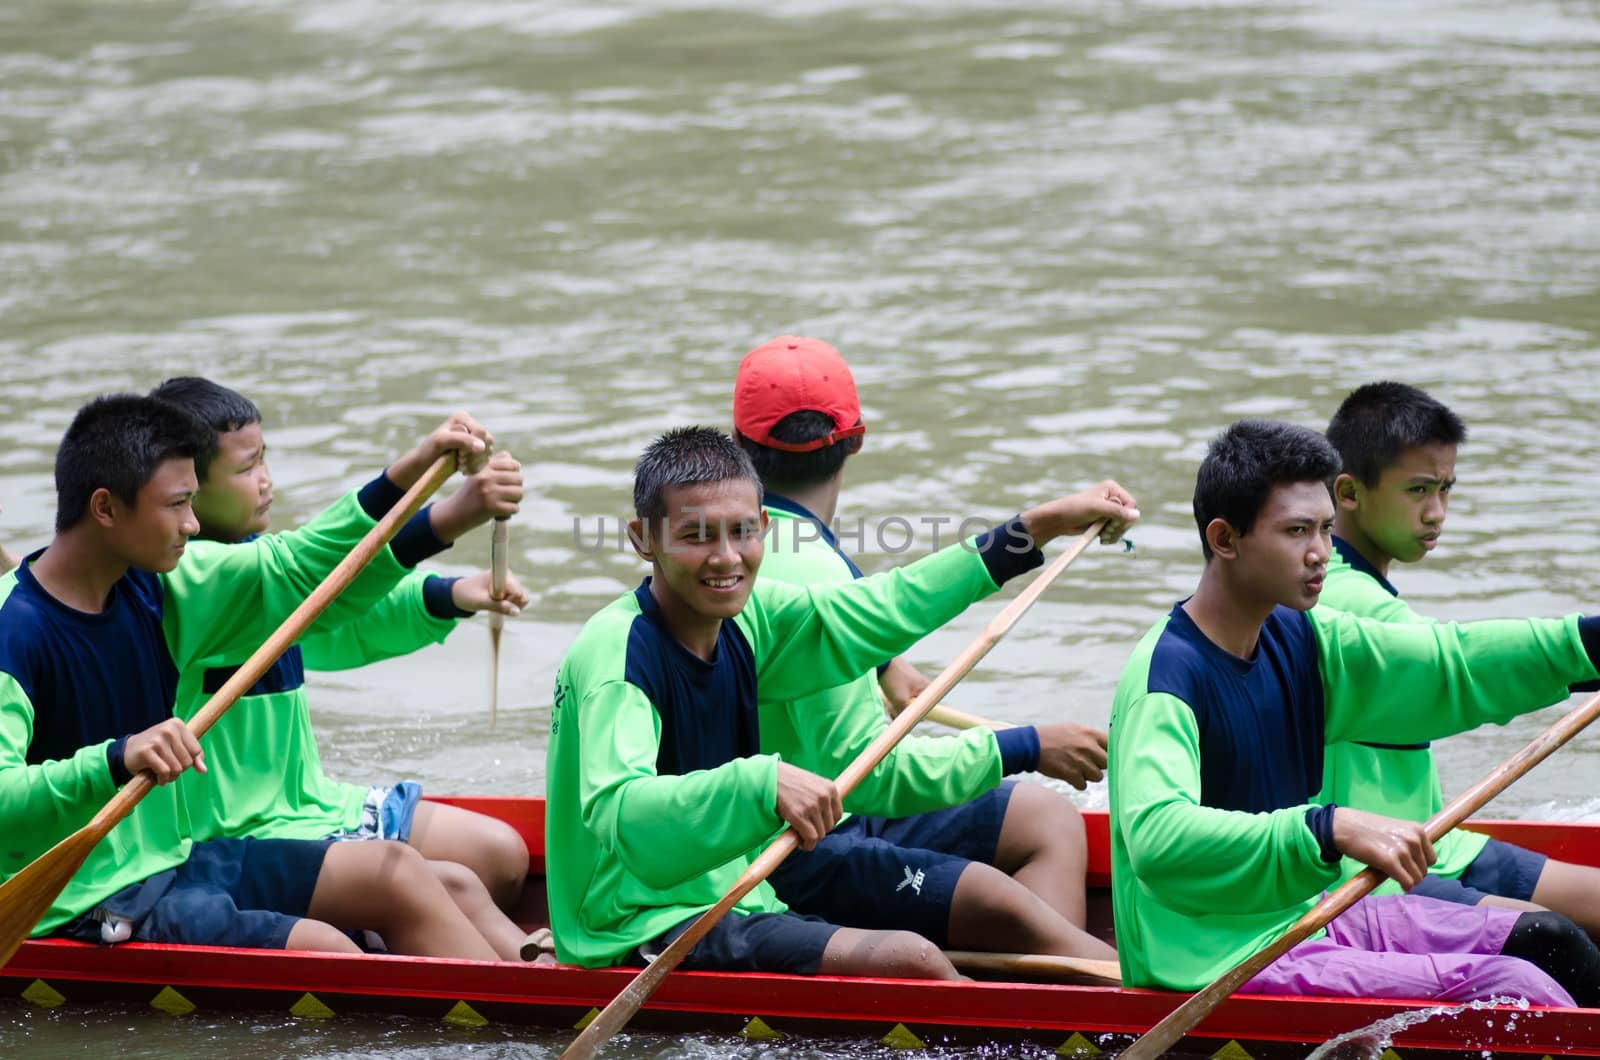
(559, 995)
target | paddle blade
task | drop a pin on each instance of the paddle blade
(497, 622)
(616, 1015)
(26, 897)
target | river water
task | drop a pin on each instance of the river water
(1057, 241)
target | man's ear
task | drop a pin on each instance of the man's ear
(1223, 539)
(639, 537)
(104, 507)
(1347, 492)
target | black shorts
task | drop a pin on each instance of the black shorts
(231, 892)
(758, 942)
(1500, 869)
(894, 874)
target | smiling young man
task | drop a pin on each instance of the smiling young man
(1397, 446)
(94, 631)
(1217, 737)
(993, 865)
(659, 793)
(267, 779)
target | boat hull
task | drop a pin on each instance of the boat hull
(1071, 1017)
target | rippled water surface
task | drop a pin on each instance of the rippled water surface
(1057, 241)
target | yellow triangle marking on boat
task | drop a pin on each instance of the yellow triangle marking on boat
(588, 1018)
(900, 1037)
(758, 1031)
(464, 1015)
(1078, 1045)
(1232, 1051)
(171, 1002)
(309, 1008)
(1389, 1054)
(43, 994)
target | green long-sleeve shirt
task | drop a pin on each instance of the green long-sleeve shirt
(1396, 780)
(1212, 760)
(658, 793)
(72, 684)
(266, 778)
(825, 732)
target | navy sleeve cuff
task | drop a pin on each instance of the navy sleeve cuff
(116, 759)
(1589, 630)
(378, 496)
(1019, 749)
(416, 540)
(1008, 551)
(1320, 820)
(436, 597)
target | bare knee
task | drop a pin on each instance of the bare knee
(308, 934)
(461, 882)
(505, 861)
(893, 954)
(907, 955)
(1040, 823)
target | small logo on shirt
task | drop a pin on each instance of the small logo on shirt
(913, 880)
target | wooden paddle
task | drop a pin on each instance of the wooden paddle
(26, 897)
(622, 1007)
(1158, 1039)
(960, 719)
(1036, 965)
(499, 546)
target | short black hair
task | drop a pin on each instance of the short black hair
(117, 442)
(785, 471)
(1379, 421)
(214, 405)
(686, 456)
(1246, 461)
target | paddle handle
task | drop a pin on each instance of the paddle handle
(290, 631)
(622, 1007)
(1186, 1016)
(499, 559)
(960, 719)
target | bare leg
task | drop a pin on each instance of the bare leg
(1511, 903)
(488, 847)
(893, 954)
(1573, 891)
(991, 911)
(472, 898)
(388, 888)
(310, 934)
(1042, 846)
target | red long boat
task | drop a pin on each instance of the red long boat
(1068, 1018)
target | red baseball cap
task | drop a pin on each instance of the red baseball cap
(793, 374)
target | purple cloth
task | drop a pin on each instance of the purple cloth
(1407, 946)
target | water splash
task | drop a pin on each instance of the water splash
(1369, 1042)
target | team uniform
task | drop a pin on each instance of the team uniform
(1216, 847)
(940, 802)
(1402, 780)
(265, 777)
(74, 686)
(659, 792)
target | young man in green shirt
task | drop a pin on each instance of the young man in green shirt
(951, 851)
(267, 779)
(94, 630)
(1398, 448)
(1218, 731)
(659, 792)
